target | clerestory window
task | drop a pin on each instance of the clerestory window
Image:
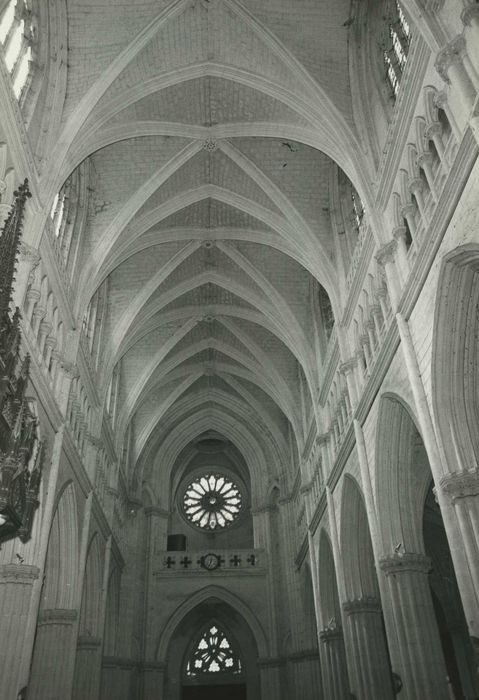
(16, 37)
(213, 654)
(397, 47)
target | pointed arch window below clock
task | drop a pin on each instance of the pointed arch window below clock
(214, 654)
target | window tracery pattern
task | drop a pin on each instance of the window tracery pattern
(396, 51)
(213, 654)
(16, 36)
(212, 501)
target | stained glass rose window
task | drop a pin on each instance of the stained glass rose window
(212, 501)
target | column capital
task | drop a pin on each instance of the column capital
(322, 439)
(424, 158)
(399, 233)
(450, 54)
(304, 655)
(70, 369)
(86, 641)
(461, 484)
(330, 634)
(387, 253)
(415, 185)
(57, 616)
(433, 129)
(270, 661)
(19, 573)
(348, 366)
(409, 561)
(470, 13)
(367, 604)
(29, 254)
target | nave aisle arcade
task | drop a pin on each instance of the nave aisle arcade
(239, 322)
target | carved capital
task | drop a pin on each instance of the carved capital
(86, 641)
(399, 233)
(57, 616)
(461, 484)
(469, 14)
(348, 366)
(28, 254)
(434, 129)
(362, 605)
(415, 185)
(323, 439)
(450, 54)
(93, 440)
(19, 573)
(330, 634)
(409, 561)
(70, 369)
(387, 253)
(424, 158)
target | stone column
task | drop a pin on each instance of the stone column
(333, 664)
(366, 631)
(53, 662)
(462, 489)
(270, 678)
(420, 662)
(87, 668)
(117, 679)
(307, 673)
(154, 681)
(450, 64)
(16, 583)
(263, 539)
(386, 257)
(87, 679)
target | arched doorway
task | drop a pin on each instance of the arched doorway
(212, 655)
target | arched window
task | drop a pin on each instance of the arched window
(16, 36)
(396, 49)
(213, 655)
(358, 208)
(325, 312)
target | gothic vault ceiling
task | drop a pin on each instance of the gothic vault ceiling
(209, 129)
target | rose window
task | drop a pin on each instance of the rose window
(212, 501)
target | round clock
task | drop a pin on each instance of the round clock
(210, 562)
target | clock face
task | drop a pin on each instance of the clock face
(210, 562)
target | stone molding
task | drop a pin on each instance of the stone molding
(330, 634)
(461, 484)
(362, 605)
(29, 254)
(85, 641)
(386, 253)
(57, 616)
(450, 54)
(348, 365)
(409, 561)
(470, 13)
(151, 511)
(18, 573)
(271, 661)
(304, 655)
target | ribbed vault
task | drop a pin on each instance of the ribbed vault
(207, 131)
